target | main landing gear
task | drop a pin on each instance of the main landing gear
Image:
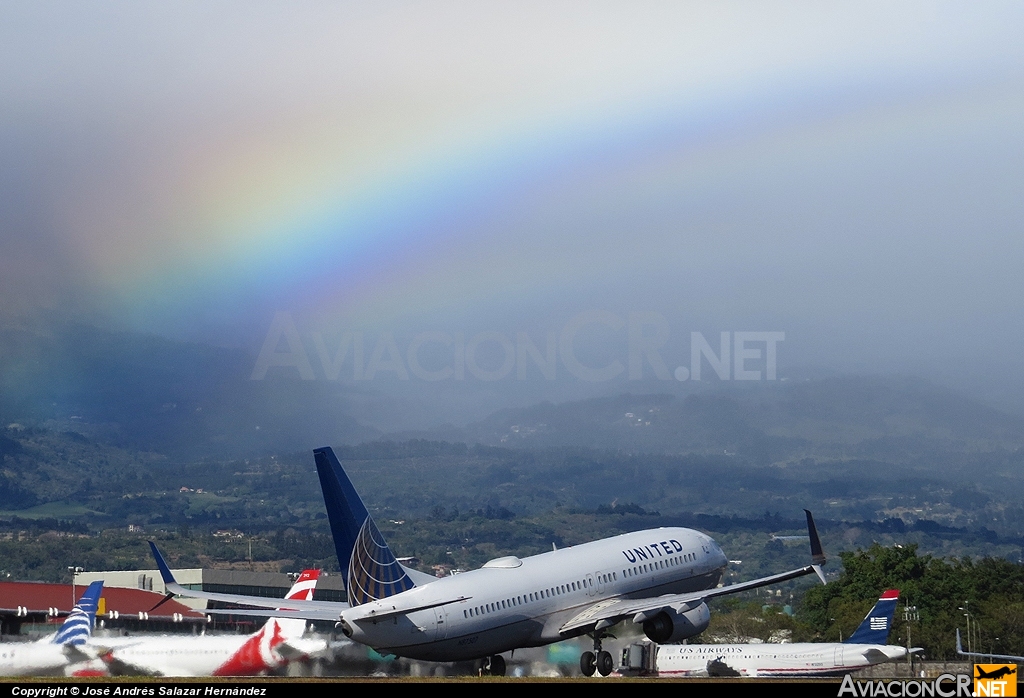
(598, 660)
(495, 665)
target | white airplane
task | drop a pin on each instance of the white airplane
(276, 643)
(54, 654)
(865, 647)
(660, 578)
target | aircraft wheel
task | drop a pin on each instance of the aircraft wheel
(604, 663)
(588, 663)
(497, 665)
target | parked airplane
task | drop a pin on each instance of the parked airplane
(276, 643)
(52, 655)
(865, 647)
(1005, 657)
(660, 579)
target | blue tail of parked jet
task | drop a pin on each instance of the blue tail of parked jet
(77, 627)
(875, 628)
(371, 570)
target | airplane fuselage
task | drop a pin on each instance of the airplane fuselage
(31, 658)
(511, 603)
(208, 655)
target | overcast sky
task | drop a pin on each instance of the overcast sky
(847, 173)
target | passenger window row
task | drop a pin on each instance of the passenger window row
(548, 593)
(659, 565)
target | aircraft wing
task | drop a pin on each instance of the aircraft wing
(80, 653)
(1004, 657)
(607, 613)
(332, 608)
(312, 614)
(886, 653)
(119, 667)
(374, 612)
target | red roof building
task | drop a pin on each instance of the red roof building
(136, 609)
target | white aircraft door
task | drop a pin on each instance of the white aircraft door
(440, 622)
(839, 656)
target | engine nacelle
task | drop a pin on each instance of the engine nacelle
(673, 626)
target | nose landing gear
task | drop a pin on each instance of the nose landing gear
(598, 660)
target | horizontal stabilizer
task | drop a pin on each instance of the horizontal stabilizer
(173, 587)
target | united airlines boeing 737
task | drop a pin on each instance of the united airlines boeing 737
(660, 578)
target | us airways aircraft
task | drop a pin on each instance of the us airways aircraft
(660, 578)
(276, 643)
(54, 654)
(864, 648)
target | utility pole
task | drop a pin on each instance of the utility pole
(910, 615)
(967, 614)
(74, 574)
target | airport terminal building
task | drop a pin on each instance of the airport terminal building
(134, 600)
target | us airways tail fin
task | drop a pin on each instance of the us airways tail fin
(371, 570)
(875, 628)
(77, 627)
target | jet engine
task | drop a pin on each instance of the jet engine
(673, 625)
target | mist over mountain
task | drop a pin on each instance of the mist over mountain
(189, 401)
(891, 417)
(149, 393)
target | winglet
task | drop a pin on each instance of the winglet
(959, 647)
(817, 554)
(165, 571)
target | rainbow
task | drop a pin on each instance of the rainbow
(370, 222)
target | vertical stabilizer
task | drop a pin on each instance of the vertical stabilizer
(370, 568)
(261, 651)
(77, 627)
(875, 628)
(303, 590)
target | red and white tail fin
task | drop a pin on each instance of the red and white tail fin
(304, 586)
(257, 654)
(302, 590)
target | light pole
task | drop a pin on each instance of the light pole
(74, 573)
(910, 615)
(967, 614)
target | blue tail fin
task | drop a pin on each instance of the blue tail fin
(875, 628)
(77, 627)
(370, 569)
